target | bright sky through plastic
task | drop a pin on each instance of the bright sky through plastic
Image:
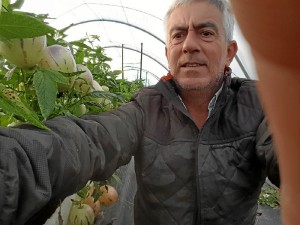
(143, 34)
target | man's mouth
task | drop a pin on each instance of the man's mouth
(192, 65)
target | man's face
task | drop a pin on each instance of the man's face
(196, 49)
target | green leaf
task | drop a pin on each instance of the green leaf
(16, 5)
(58, 77)
(7, 119)
(116, 72)
(5, 3)
(116, 178)
(83, 193)
(11, 103)
(21, 25)
(81, 44)
(45, 83)
(270, 197)
(103, 94)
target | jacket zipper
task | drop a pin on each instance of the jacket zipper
(198, 217)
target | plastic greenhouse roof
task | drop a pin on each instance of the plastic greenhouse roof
(137, 25)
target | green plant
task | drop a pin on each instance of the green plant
(39, 86)
(270, 197)
(43, 89)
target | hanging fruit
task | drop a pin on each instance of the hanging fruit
(25, 52)
(59, 58)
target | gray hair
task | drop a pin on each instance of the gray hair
(222, 5)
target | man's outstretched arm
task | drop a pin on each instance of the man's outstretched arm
(38, 169)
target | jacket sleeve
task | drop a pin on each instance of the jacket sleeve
(38, 169)
(267, 153)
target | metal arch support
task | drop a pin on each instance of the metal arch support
(132, 49)
(119, 6)
(147, 71)
(116, 21)
(242, 66)
(149, 33)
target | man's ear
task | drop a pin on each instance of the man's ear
(166, 52)
(232, 49)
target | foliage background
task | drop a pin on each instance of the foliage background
(32, 95)
(36, 103)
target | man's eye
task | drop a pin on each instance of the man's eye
(208, 35)
(178, 36)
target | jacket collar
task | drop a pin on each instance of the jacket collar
(168, 88)
(168, 82)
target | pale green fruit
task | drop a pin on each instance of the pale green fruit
(103, 101)
(59, 58)
(84, 80)
(81, 215)
(24, 53)
(105, 88)
(96, 86)
(87, 75)
(79, 110)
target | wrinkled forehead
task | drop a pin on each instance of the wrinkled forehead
(182, 3)
(193, 14)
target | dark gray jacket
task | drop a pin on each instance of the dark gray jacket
(185, 176)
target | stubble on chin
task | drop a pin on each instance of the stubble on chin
(185, 84)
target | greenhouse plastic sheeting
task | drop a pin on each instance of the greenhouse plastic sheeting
(121, 213)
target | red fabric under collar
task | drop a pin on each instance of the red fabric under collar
(167, 77)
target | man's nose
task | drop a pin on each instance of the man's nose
(191, 43)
